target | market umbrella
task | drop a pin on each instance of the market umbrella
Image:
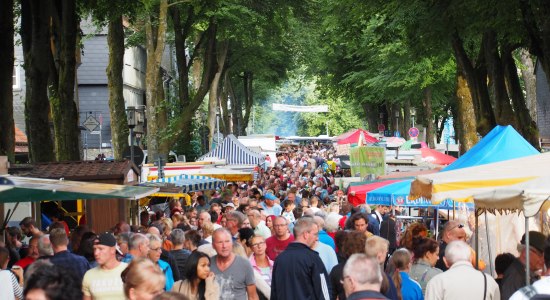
(436, 157)
(358, 136)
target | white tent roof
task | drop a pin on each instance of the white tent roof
(462, 184)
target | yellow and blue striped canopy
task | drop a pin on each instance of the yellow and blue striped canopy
(189, 183)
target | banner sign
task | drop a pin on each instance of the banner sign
(368, 160)
(300, 108)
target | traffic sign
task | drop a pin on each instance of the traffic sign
(138, 155)
(413, 132)
(90, 123)
(381, 127)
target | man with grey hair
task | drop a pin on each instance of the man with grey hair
(45, 249)
(298, 272)
(461, 280)
(257, 224)
(362, 278)
(234, 273)
(179, 254)
(137, 247)
(235, 220)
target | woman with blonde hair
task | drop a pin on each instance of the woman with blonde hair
(143, 280)
(407, 288)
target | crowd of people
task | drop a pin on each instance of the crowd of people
(290, 234)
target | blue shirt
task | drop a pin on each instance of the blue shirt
(410, 289)
(76, 264)
(326, 239)
(165, 267)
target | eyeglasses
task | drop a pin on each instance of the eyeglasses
(279, 225)
(257, 245)
(156, 249)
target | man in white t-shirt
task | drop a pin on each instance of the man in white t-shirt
(104, 281)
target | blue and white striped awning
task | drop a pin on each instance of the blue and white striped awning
(190, 183)
(234, 153)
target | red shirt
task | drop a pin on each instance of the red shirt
(275, 246)
(24, 262)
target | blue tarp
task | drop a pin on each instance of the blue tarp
(397, 194)
(500, 144)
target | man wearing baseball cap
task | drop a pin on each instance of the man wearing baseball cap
(514, 276)
(104, 281)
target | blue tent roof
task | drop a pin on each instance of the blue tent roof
(501, 143)
(398, 194)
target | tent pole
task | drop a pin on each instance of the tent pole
(488, 242)
(477, 240)
(527, 252)
(436, 211)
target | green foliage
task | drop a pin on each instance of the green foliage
(301, 91)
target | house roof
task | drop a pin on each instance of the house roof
(20, 137)
(81, 170)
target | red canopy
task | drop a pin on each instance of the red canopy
(357, 195)
(354, 138)
(436, 157)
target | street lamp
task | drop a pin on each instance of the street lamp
(131, 119)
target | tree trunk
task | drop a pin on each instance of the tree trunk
(248, 98)
(372, 116)
(526, 126)
(36, 48)
(119, 126)
(64, 109)
(407, 117)
(466, 120)
(7, 126)
(530, 81)
(536, 22)
(236, 106)
(155, 42)
(427, 102)
(503, 109)
(476, 77)
(165, 141)
(202, 66)
(214, 89)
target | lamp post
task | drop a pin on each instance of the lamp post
(413, 114)
(131, 118)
